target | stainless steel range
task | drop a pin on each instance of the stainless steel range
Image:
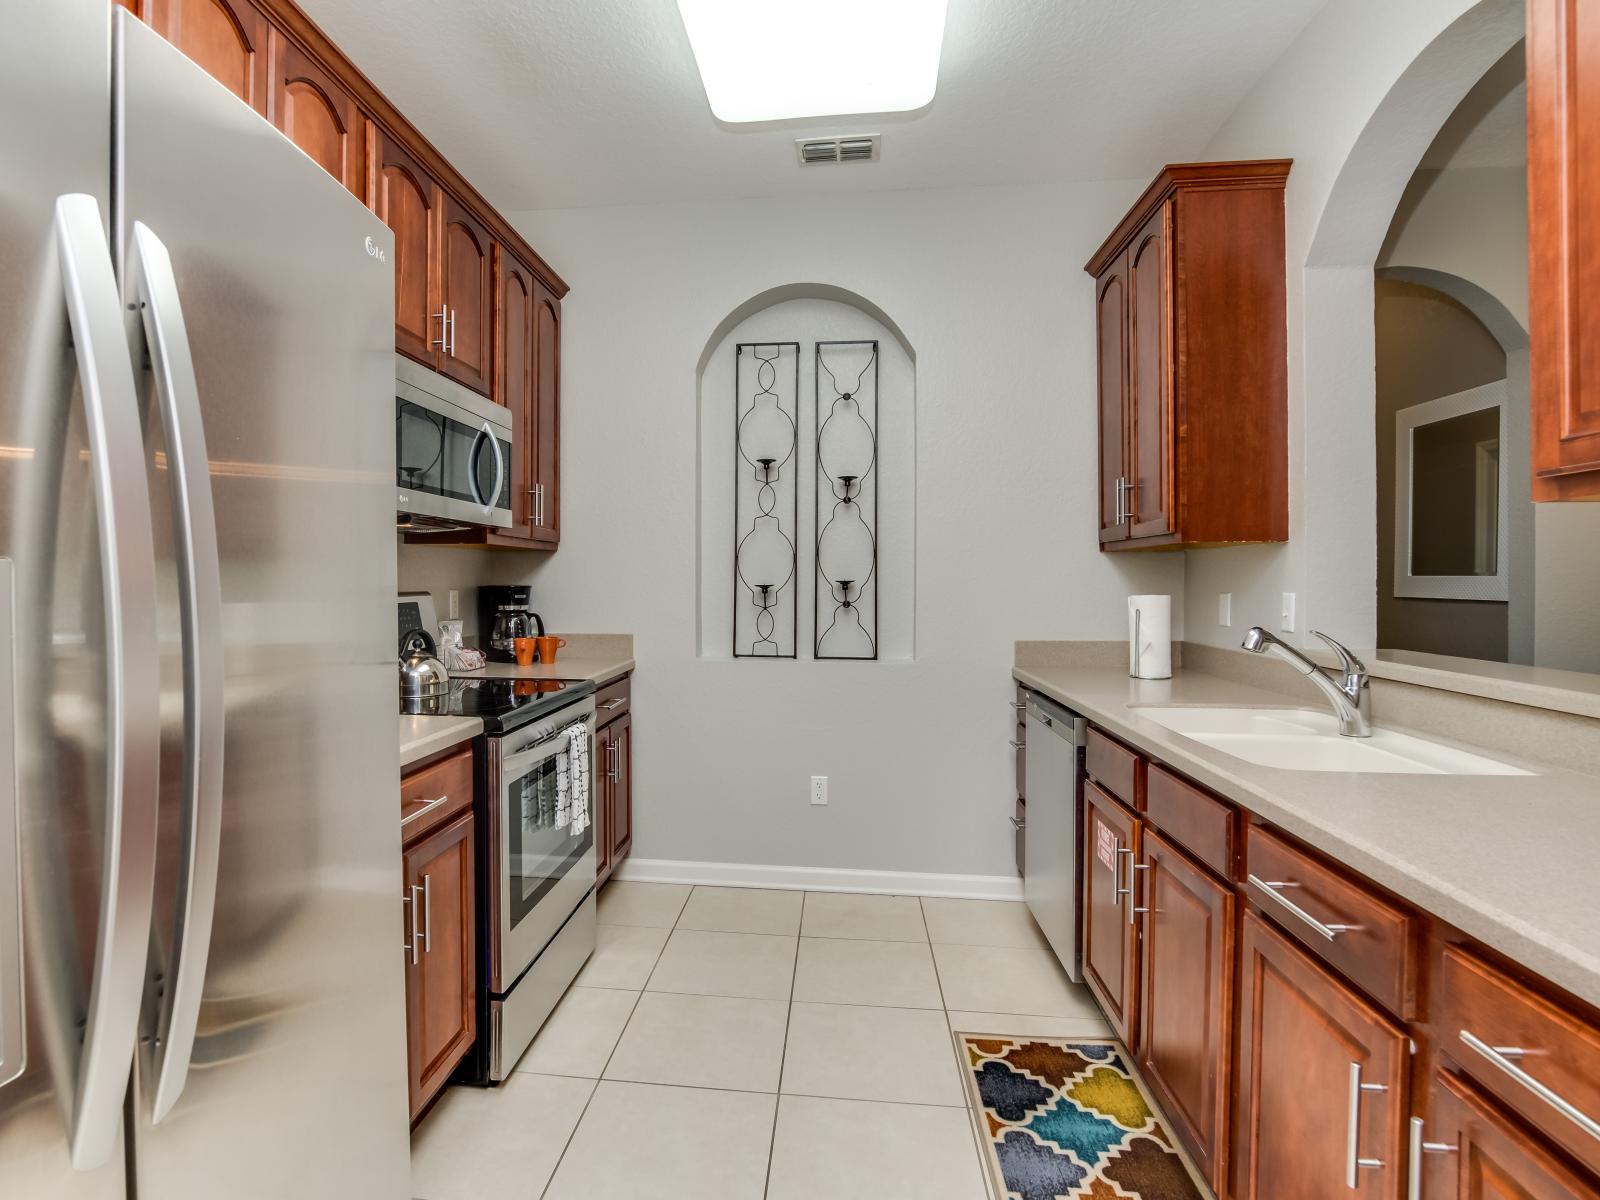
(535, 856)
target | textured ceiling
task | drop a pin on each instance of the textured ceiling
(572, 103)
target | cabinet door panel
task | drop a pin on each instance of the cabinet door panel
(515, 383)
(1111, 315)
(621, 768)
(600, 801)
(225, 38)
(547, 463)
(1493, 1158)
(1300, 1031)
(1149, 404)
(314, 111)
(1110, 939)
(407, 200)
(1563, 55)
(1186, 1002)
(441, 984)
(467, 277)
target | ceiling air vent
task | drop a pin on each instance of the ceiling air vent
(838, 150)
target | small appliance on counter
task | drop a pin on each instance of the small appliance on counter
(503, 617)
(424, 682)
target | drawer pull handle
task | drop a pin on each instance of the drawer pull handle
(1355, 1163)
(1016, 745)
(1418, 1149)
(1274, 890)
(423, 811)
(1501, 1056)
(614, 703)
(1017, 822)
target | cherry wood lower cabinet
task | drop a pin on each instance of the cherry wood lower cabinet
(1469, 1150)
(1321, 1081)
(1110, 941)
(613, 777)
(441, 967)
(1186, 998)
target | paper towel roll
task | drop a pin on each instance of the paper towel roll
(1150, 637)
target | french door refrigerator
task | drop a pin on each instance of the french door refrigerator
(201, 992)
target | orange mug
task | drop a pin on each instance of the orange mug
(547, 648)
(523, 648)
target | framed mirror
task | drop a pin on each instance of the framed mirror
(1451, 497)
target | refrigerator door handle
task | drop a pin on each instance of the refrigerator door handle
(204, 705)
(133, 683)
(13, 1029)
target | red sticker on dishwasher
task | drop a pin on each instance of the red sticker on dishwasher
(1106, 845)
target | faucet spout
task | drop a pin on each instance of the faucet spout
(1350, 697)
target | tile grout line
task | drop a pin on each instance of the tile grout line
(567, 1145)
(960, 1061)
(783, 1059)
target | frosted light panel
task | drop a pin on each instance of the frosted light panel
(774, 60)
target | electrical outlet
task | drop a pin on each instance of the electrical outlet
(819, 789)
(453, 603)
(1225, 609)
(1287, 620)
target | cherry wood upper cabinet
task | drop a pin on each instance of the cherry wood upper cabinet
(546, 523)
(227, 38)
(441, 972)
(1186, 999)
(514, 376)
(1194, 437)
(1110, 941)
(1317, 1064)
(317, 113)
(408, 201)
(1564, 255)
(467, 283)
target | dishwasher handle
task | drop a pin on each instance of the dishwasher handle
(1063, 722)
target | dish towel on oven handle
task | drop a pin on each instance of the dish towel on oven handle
(572, 781)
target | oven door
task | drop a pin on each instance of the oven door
(544, 869)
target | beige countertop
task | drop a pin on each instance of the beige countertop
(422, 736)
(601, 657)
(1510, 860)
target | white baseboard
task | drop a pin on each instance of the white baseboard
(820, 879)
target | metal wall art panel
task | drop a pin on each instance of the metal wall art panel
(766, 499)
(847, 500)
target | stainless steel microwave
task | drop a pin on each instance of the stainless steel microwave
(452, 451)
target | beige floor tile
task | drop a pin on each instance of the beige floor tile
(757, 965)
(854, 1052)
(652, 904)
(844, 971)
(848, 1149)
(581, 1033)
(742, 910)
(641, 1142)
(846, 915)
(1022, 1025)
(624, 956)
(477, 1144)
(981, 923)
(1006, 979)
(702, 1041)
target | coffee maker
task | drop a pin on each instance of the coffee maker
(503, 615)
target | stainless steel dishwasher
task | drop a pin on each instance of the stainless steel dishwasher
(1054, 788)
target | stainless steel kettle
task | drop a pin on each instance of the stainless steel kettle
(424, 682)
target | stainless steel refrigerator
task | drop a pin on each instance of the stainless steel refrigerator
(201, 990)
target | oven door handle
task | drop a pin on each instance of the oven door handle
(554, 744)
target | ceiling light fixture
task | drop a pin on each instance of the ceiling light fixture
(775, 60)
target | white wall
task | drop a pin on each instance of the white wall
(987, 287)
(1355, 101)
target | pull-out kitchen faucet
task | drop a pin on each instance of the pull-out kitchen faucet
(1351, 697)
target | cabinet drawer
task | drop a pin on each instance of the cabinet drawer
(611, 701)
(1203, 825)
(1554, 1082)
(1116, 768)
(1370, 940)
(434, 795)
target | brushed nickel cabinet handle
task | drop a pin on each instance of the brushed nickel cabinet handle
(1016, 745)
(416, 931)
(442, 341)
(1275, 891)
(1018, 823)
(1418, 1149)
(1501, 1057)
(1355, 1164)
(423, 811)
(427, 913)
(618, 702)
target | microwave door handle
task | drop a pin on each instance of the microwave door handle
(200, 600)
(499, 467)
(133, 691)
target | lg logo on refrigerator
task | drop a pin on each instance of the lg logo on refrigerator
(376, 251)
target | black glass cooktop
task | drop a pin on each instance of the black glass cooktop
(505, 704)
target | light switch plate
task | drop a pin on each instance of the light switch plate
(1225, 609)
(1287, 621)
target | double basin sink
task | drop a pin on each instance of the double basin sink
(1300, 739)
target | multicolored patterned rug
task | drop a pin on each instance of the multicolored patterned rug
(1066, 1118)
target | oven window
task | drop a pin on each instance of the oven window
(442, 457)
(542, 851)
